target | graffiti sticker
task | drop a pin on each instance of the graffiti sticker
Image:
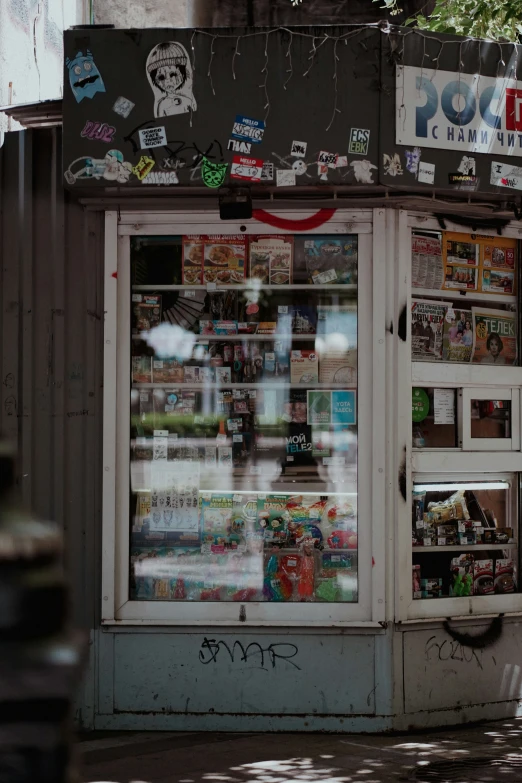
(143, 167)
(152, 137)
(84, 77)
(246, 168)
(170, 76)
(123, 106)
(246, 129)
(213, 174)
(98, 131)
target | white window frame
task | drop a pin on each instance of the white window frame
(440, 462)
(117, 609)
(490, 444)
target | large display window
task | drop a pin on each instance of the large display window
(459, 531)
(243, 423)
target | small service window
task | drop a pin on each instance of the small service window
(435, 418)
(464, 537)
(244, 419)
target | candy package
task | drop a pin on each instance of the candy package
(505, 576)
(483, 577)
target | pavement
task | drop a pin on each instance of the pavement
(488, 752)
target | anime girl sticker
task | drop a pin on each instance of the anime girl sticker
(170, 76)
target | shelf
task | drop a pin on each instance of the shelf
(221, 338)
(249, 286)
(464, 548)
(464, 296)
(227, 386)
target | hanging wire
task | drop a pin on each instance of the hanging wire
(289, 56)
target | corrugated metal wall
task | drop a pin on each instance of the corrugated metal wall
(51, 350)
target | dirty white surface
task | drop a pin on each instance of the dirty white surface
(147, 13)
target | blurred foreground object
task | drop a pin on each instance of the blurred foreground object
(40, 658)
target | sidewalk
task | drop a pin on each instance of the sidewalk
(490, 752)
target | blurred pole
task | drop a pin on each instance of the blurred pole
(40, 656)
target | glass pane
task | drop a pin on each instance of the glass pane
(491, 418)
(434, 418)
(244, 418)
(464, 300)
(464, 538)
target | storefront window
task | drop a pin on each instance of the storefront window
(464, 537)
(244, 418)
(464, 302)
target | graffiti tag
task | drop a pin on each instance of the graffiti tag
(449, 650)
(284, 651)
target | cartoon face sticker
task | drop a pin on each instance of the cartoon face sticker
(84, 77)
(170, 76)
(213, 174)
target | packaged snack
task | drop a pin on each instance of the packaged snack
(416, 582)
(483, 577)
(342, 539)
(146, 311)
(462, 575)
(446, 535)
(431, 588)
(142, 369)
(306, 575)
(505, 576)
(454, 507)
(167, 371)
(304, 367)
(467, 538)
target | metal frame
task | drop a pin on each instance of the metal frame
(473, 380)
(116, 608)
(490, 444)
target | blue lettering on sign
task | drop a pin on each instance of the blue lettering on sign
(248, 129)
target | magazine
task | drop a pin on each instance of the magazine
(271, 259)
(457, 343)
(427, 329)
(495, 336)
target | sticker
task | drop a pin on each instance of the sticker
(420, 405)
(170, 77)
(331, 407)
(143, 167)
(426, 173)
(284, 178)
(504, 175)
(246, 168)
(467, 166)
(412, 160)
(160, 178)
(461, 179)
(248, 129)
(123, 106)
(84, 77)
(342, 162)
(213, 174)
(234, 145)
(328, 159)
(152, 137)
(299, 149)
(359, 141)
(267, 172)
(392, 165)
(98, 131)
(363, 170)
(112, 167)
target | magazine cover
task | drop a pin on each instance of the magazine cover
(427, 270)
(271, 259)
(457, 343)
(326, 259)
(146, 310)
(224, 259)
(427, 329)
(500, 252)
(495, 336)
(498, 281)
(192, 253)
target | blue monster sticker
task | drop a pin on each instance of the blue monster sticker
(84, 76)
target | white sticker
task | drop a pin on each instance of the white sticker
(419, 523)
(504, 175)
(298, 149)
(237, 438)
(237, 498)
(342, 161)
(267, 172)
(461, 527)
(123, 106)
(335, 558)
(136, 297)
(161, 433)
(152, 137)
(211, 286)
(426, 173)
(189, 294)
(282, 309)
(441, 542)
(444, 406)
(328, 159)
(479, 531)
(290, 458)
(427, 541)
(285, 178)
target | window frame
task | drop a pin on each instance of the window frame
(439, 462)
(116, 606)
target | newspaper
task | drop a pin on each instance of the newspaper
(495, 336)
(427, 270)
(427, 329)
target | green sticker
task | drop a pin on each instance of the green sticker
(420, 404)
(213, 174)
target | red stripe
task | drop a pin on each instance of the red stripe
(306, 224)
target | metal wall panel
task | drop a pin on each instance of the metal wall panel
(51, 350)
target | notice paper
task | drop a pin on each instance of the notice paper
(444, 406)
